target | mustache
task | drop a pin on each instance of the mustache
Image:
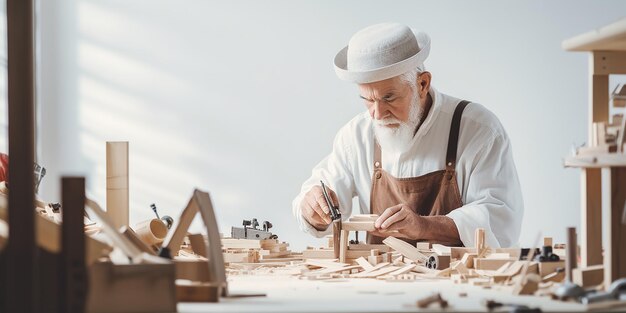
(388, 121)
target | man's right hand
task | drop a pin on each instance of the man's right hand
(315, 209)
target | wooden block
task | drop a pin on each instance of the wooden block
(362, 246)
(490, 264)
(363, 218)
(364, 263)
(131, 288)
(318, 254)
(195, 270)
(190, 291)
(546, 268)
(423, 245)
(589, 276)
(343, 248)
(441, 249)
(375, 260)
(570, 260)
(405, 249)
(335, 243)
(456, 253)
(443, 261)
(117, 182)
(547, 241)
(556, 277)
(528, 286)
(479, 240)
(358, 226)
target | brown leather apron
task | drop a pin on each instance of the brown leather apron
(436, 193)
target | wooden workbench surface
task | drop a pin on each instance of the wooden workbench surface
(290, 294)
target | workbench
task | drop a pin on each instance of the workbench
(291, 294)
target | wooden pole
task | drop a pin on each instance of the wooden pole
(117, 183)
(74, 271)
(571, 246)
(21, 272)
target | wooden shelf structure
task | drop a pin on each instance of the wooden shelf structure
(603, 176)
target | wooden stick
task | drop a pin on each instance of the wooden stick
(479, 240)
(117, 182)
(570, 252)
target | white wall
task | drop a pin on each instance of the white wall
(240, 98)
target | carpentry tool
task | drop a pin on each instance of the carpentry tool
(39, 172)
(166, 219)
(547, 255)
(335, 214)
(616, 291)
(247, 232)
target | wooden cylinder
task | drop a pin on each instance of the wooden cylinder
(570, 252)
(117, 182)
(151, 232)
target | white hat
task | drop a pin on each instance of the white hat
(381, 51)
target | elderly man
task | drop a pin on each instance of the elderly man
(432, 166)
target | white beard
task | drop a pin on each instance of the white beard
(398, 140)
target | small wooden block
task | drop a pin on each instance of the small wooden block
(547, 241)
(588, 276)
(490, 264)
(546, 268)
(197, 292)
(423, 245)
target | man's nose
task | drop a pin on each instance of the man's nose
(380, 111)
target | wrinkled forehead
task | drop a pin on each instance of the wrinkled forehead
(384, 87)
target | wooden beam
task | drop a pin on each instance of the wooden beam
(74, 270)
(19, 266)
(591, 217)
(608, 62)
(117, 182)
(405, 249)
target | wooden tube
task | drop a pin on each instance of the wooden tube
(151, 232)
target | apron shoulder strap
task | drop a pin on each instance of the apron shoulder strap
(453, 139)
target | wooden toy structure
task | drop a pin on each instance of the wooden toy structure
(603, 161)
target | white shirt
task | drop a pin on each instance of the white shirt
(485, 170)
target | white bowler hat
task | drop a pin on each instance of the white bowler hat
(381, 51)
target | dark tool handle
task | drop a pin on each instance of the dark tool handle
(334, 211)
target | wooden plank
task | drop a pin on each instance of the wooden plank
(216, 269)
(117, 182)
(343, 247)
(74, 271)
(614, 180)
(379, 272)
(490, 264)
(405, 249)
(358, 226)
(591, 217)
(318, 254)
(364, 263)
(479, 240)
(609, 37)
(19, 267)
(361, 246)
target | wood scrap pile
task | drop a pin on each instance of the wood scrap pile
(255, 251)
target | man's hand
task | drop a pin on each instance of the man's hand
(315, 209)
(398, 221)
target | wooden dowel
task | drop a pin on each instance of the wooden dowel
(117, 182)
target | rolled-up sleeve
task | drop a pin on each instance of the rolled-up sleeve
(336, 171)
(492, 196)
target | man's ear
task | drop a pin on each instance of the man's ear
(423, 83)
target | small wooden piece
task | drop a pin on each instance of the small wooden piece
(197, 244)
(336, 242)
(405, 249)
(589, 276)
(117, 182)
(191, 291)
(547, 241)
(479, 240)
(343, 245)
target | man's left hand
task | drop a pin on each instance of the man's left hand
(398, 221)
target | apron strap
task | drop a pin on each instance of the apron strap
(453, 139)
